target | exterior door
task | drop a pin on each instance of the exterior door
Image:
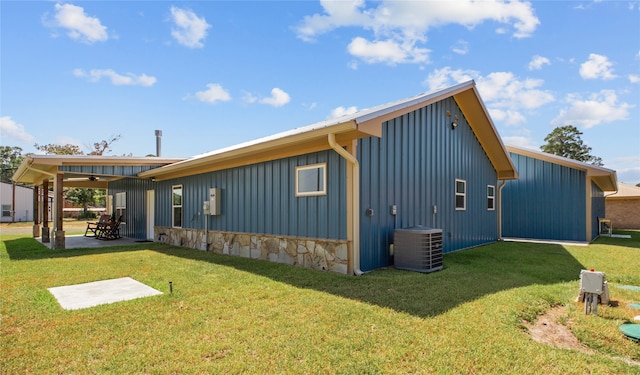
(151, 214)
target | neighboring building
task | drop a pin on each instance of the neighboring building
(554, 198)
(23, 198)
(623, 207)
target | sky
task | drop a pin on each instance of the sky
(212, 74)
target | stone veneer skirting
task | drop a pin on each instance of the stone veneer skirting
(317, 254)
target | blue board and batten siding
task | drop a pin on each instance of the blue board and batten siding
(258, 198)
(547, 202)
(135, 218)
(414, 166)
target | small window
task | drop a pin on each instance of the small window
(491, 197)
(121, 206)
(6, 210)
(311, 180)
(176, 203)
(461, 194)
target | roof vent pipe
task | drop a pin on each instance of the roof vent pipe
(158, 142)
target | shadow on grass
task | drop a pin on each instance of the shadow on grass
(468, 275)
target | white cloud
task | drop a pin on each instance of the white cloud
(507, 117)
(342, 111)
(249, 98)
(601, 107)
(130, 79)
(12, 129)
(634, 78)
(190, 30)
(387, 51)
(399, 27)
(461, 47)
(278, 98)
(79, 26)
(598, 66)
(445, 77)
(538, 62)
(520, 141)
(214, 93)
(505, 95)
(505, 90)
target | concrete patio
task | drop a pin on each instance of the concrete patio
(79, 241)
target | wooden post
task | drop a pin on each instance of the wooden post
(59, 240)
(45, 211)
(36, 211)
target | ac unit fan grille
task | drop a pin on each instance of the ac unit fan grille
(418, 249)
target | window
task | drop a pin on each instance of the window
(461, 194)
(121, 206)
(6, 210)
(491, 197)
(311, 180)
(176, 204)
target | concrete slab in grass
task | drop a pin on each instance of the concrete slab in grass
(80, 296)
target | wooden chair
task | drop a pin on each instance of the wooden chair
(95, 227)
(110, 231)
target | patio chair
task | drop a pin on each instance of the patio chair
(110, 231)
(95, 227)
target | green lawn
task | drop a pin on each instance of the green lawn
(234, 315)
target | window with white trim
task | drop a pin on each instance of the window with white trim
(311, 180)
(176, 206)
(461, 194)
(6, 210)
(491, 197)
(121, 206)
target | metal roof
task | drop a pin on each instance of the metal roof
(625, 191)
(605, 178)
(80, 170)
(364, 123)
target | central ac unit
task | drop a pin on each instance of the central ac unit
(418, 249)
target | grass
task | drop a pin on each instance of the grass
(234, 315)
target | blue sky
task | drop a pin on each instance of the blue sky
(212, 74)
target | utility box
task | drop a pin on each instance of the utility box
(592, 282)
(215, 199)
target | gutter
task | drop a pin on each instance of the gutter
(355, 202)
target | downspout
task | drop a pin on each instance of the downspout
(500, 187)
(355, 201)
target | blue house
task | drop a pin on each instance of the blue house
(329, 196)
(555, 198)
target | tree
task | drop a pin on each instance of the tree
(103, 146)
(53, 149)
(565, 141)
(10, 157)
(82, 196)
(99, 148)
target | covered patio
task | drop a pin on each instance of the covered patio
(56, 172)
(79, 241)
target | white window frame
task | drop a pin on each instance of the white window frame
(491, 198)
(462, 194)
(174, 206)
(311, 193)
(121, 205)
(6, 210)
